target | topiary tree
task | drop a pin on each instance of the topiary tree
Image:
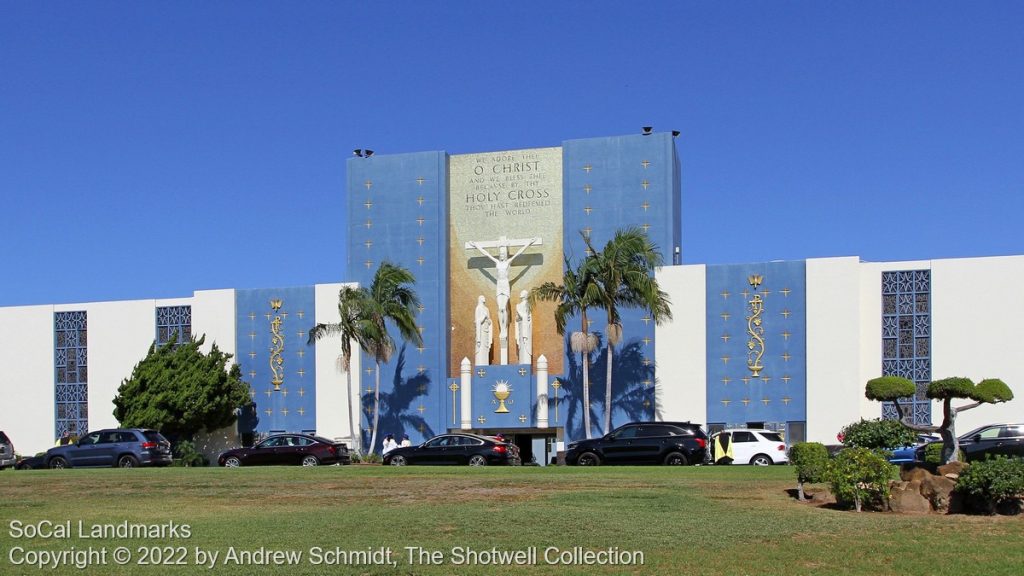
(878, 434)
(811, 461)
(179, 390)
(892, 388)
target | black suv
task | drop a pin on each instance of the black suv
(7, 457)
(671, 443)
(122, 447)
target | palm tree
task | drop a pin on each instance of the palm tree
(351, 303)
(390, 299)
(578, 292)
(365, 313)
(624, 274)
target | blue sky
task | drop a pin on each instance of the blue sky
(149, 149)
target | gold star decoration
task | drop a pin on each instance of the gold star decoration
(786, 356)
(420, 200)
(726, 380)
(421, 369)
(588, 210)
(302, 392)
(481, 372)
(645, 226)
(785, 313)
(725, 338)
(368, 184)
(368, 243)
(588, 168)
(786, 335)
(645, 163)
(745, 379)
(369, 224)
(785, 292)
(645, 205)
(766, 379)
(522, 371)
(645, 184)
(420, 220)
(420, 240)
(421, 408)
(587, 188)
(301, 373)
(420, 260)
(481, 419)
(786, 379)
(725, 316)
(301, 411)
(725, 359)
(725, 402)
(368, 204)
(786, 400)
(646, 340)
(523, 418)
(252, 316)
(765, 400)
(746, 401)
(268, 412)
(420, 180)
(368, 263)
(284, 411)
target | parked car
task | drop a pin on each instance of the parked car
(7, 457)
(670, 443)
(456, 449)
(749, 446)
(288, 449)
(121, 447)
(990, 440)
(905, 454)
(31, 463)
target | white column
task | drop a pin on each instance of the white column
(466, 413)
(542, 392)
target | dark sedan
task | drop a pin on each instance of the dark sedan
(991, 440)
(288, 449)
(456, 449)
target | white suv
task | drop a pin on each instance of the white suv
(748, 446)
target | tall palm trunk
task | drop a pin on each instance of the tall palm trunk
(608, 390)
(586, 375)
(376, 409)
(351, 426)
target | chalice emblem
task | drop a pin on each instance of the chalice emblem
(502, 391)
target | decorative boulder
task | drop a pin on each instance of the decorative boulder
(937, 489)
(952, 468)
(906, 498)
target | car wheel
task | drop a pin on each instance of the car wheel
(588, 459)
(310, 461)
(398, 460)
(761, 460)
(127, 461)
(675, 459)
(232, 462)
(58, 463)
(477, 460)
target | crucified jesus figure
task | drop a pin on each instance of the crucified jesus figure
(502, 263)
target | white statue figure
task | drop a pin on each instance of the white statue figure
(524, 328)
(482, 320)
(504, 290)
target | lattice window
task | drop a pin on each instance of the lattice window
(71, 373)
(906, 338)
(171, 321)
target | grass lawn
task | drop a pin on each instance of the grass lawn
(694, 520)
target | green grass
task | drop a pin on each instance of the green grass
(695, 520)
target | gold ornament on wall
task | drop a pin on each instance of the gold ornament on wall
(755, 344)
(276, 347)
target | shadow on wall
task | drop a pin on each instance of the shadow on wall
(628, 390)
(212, 444)
(397, 414)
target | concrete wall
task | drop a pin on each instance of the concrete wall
(976, 316)
(26, 387)
(834, 380)
(213, 314)
(332, 401)
(680, 347)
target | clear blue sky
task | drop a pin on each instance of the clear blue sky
(144, 144)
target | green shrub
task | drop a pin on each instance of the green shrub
(811, 461)
(860, 476)
(878, 434)
(933, 453)
(988, 484)
(888, 388)
(186, 455)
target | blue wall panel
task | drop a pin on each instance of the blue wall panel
(776, 394)
(610, 184)
(397, 212)
(291, 405)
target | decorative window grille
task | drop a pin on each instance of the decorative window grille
(71, 373)
(171, 321)
(906, 338)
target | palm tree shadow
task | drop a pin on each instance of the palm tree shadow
(628, 389)
(397, 416)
